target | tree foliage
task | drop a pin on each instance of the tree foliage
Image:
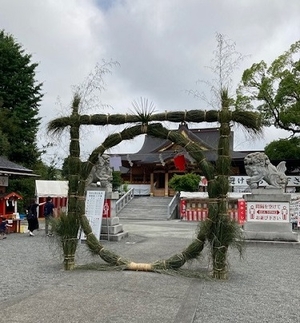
(284, 149)
(117, 180)
(20, 97)
(4, 144)
(185, 183)
(23, 186)
(275, 90)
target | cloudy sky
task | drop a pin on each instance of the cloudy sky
(162, 47)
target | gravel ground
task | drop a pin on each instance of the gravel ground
(262, 287)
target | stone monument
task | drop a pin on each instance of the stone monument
(101, 174)
(100, 179)
(268, 216)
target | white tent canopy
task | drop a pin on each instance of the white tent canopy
(51, 188)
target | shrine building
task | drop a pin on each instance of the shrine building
(149, 170)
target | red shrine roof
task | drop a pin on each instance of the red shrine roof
(12, 196)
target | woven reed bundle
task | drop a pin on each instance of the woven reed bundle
(186, 116)
(115, 139)
(218, 229)
(174, 262)
(250, 120)
(57, 126)
(97, 248)
(193, 148)
(178, 260)
(106, 119)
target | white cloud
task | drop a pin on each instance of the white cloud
(162, 47)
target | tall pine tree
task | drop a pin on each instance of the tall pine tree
(20, 96)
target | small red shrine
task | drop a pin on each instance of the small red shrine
(8, 210)
(8, 204)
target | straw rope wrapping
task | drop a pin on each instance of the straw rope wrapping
(209, 229)
(174, 262)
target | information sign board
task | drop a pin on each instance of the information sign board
(3, 180)
(268, 211)
(94, 202)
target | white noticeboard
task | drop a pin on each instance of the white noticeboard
(3, 180)
(94, 202)
(276, 212)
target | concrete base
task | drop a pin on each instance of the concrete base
(271, 236)
(268, 231)
(267, 227)
(110, 221)
(112, 195)
(268, 195)
(112, 230)
(114, 237)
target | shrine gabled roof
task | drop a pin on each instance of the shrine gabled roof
(156, 150)
(207, 138)
(156, 157)
(9, 168)
(12, 195)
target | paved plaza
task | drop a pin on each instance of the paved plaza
(262, 287)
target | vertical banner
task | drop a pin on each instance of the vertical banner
(183, 209)
(179, 162)
(241, 211)
(106, 208)
(94, 202)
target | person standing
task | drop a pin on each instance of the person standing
(48, 214)
(3, 227)
(31, 214)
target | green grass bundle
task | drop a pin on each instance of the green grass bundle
(65, 229)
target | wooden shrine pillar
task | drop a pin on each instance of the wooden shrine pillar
(166, 184)
(152, 184)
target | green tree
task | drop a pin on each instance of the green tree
(65, 168)
(4, 144)
(25, 187)
(20, 97)
(48, 172)
(117, 180)
(186, 183)
(284, 149)
(274, 90)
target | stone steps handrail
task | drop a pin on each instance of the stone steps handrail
(124, 200)
(173, 205)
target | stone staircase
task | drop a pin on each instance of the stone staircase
(146, 208)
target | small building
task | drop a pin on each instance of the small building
(57, 190)
(9, 200)
(8, 169)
